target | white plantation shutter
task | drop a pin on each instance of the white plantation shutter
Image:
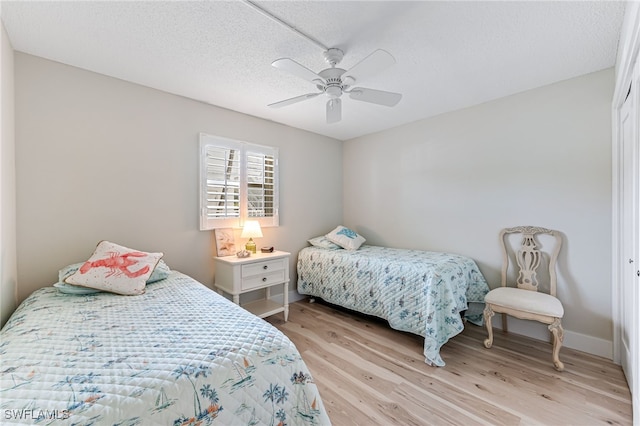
(223, 182)
(260, 184)
(238, 180)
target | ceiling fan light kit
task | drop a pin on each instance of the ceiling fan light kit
(334, 82)
(334, 110)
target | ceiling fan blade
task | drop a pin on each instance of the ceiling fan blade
(334, 110)
(294, 68)
(371, 65)
(379, 97)
(294, 100)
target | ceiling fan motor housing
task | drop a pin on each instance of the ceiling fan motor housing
(333, 83)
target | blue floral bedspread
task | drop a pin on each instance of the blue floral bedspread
(416, 291)
(180, 354)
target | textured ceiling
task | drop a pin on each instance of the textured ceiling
(449, 54)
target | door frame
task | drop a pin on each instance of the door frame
(627, 71)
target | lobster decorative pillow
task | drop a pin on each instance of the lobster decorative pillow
(116, 269)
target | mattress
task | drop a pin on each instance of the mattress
(417, 291)
(180, 354)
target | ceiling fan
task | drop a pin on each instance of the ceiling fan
(335, 81)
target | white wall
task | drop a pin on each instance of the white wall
(450, 183)
(100, 158)
(8, 283)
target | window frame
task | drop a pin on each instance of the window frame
(245, 149)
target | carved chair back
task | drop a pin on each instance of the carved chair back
(529, 257)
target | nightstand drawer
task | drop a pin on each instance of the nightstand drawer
(259, 268)
(261, 280)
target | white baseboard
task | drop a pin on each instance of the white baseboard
(294, 296)
(582, 342)
(589, 344)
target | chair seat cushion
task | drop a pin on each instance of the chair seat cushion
(525, 300)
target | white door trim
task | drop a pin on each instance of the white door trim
(626, 72)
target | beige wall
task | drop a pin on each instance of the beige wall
(8, 284)
(450, 183)
(100, 158)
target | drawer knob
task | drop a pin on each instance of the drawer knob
(264, 280)
(265, 267)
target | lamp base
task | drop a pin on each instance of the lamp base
(250, 246)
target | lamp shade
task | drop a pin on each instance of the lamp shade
(251, 229)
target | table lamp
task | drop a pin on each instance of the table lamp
(251, 230)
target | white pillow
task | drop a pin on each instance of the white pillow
(346, 238)
(116, 269)
(323, 242)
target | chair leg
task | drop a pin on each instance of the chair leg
(558, 336)
(505, 329)
(488, 314)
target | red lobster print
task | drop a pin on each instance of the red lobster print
(117, 264)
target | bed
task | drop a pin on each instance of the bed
(426, 293)
(179, 354)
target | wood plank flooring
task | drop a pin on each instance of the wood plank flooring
(369, 374)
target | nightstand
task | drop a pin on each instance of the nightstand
(235, 276)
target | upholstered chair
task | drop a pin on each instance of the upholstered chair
(523, 297)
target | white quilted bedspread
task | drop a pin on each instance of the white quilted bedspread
(180, 354)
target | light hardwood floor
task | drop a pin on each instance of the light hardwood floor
(369, 374)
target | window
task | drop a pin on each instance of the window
(238, 181)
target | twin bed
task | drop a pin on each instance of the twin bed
(421, 292)
(179, 354)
